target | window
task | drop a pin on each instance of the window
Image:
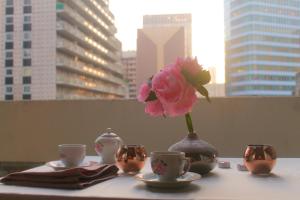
(9, 63)
(27, 2)
(8, 89)
(9, 80)
(27, 19)
(9, 10)
(26, 53)
(27, 36)
(9, 45)
(26, 96)
(27, 9)
(9, 2)
(9, 97)
(9, 36)
(27, 62)
(27, 80)
(26, 89)
(27, 44)
(9, 20)
(27, 27)
(8, 54)
(9, 28)
(9, 72)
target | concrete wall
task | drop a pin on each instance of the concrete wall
(31, 131)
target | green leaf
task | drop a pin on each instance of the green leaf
(203, 77)
(189, 77)
(151, 97)
(203, 91)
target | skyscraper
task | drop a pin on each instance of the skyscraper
(129, 64)
(59, 49)
(162, 39)
(262, 46)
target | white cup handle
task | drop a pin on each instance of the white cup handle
(187, 165)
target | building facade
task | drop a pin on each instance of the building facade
(162, 39)
(59, 49)
(262, 46)
(129, 64)
(297, 88)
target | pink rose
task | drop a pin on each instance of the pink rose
(176, 95)
(154, 108)
(143, 92)
(190, 65)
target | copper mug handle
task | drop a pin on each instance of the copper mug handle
(187, 166)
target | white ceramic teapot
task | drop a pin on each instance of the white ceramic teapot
(107, 145)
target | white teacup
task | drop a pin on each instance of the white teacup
(72, 155)
(169, 165)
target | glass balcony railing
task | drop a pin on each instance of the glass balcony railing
(71, 15)
(63, 61)
(62, 79)
(104, 12)
(76, 50)
(69, 30)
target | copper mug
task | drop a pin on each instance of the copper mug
(131, 158)
(259, 158)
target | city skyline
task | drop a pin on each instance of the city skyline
(208, 40)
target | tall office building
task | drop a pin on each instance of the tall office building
(129, 64)
(162, 39)
(59, 49)
(262, 46)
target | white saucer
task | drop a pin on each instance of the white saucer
(151, 179)
(59, 165)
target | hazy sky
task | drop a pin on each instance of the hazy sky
(207, 27)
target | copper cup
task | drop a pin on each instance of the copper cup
(259, 158)
(131, 158)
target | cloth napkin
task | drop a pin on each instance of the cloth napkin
(73, 178)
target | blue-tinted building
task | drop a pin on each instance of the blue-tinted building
(262, 46)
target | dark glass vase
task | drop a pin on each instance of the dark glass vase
(203, 155)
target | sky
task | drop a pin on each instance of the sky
(207, 25)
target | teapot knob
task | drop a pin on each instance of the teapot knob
(109, 130)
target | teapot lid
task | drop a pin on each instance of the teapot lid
(109, 134)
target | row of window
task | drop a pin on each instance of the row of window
(263, 87)
(264, 28)
(10, 97)
(265, 9)
(268, 19)
(10, 80)
(293, 3)
(251, 47)
(10, 45)
(10, 27)
(263, 58)
(263, 68)
(10, 10)
(260, 77)
(10, 3)
(10, 62)
(263, 38)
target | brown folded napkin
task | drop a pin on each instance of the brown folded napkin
(74, 178)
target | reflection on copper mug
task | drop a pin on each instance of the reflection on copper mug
(260, 159)
(131, 158)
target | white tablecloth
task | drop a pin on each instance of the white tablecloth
(283, 184)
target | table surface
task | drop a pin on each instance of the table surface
(283, 183)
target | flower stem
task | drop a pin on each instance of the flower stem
(189, 122)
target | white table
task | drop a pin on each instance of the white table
(283, 184)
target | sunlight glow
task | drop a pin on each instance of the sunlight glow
(207, 26)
